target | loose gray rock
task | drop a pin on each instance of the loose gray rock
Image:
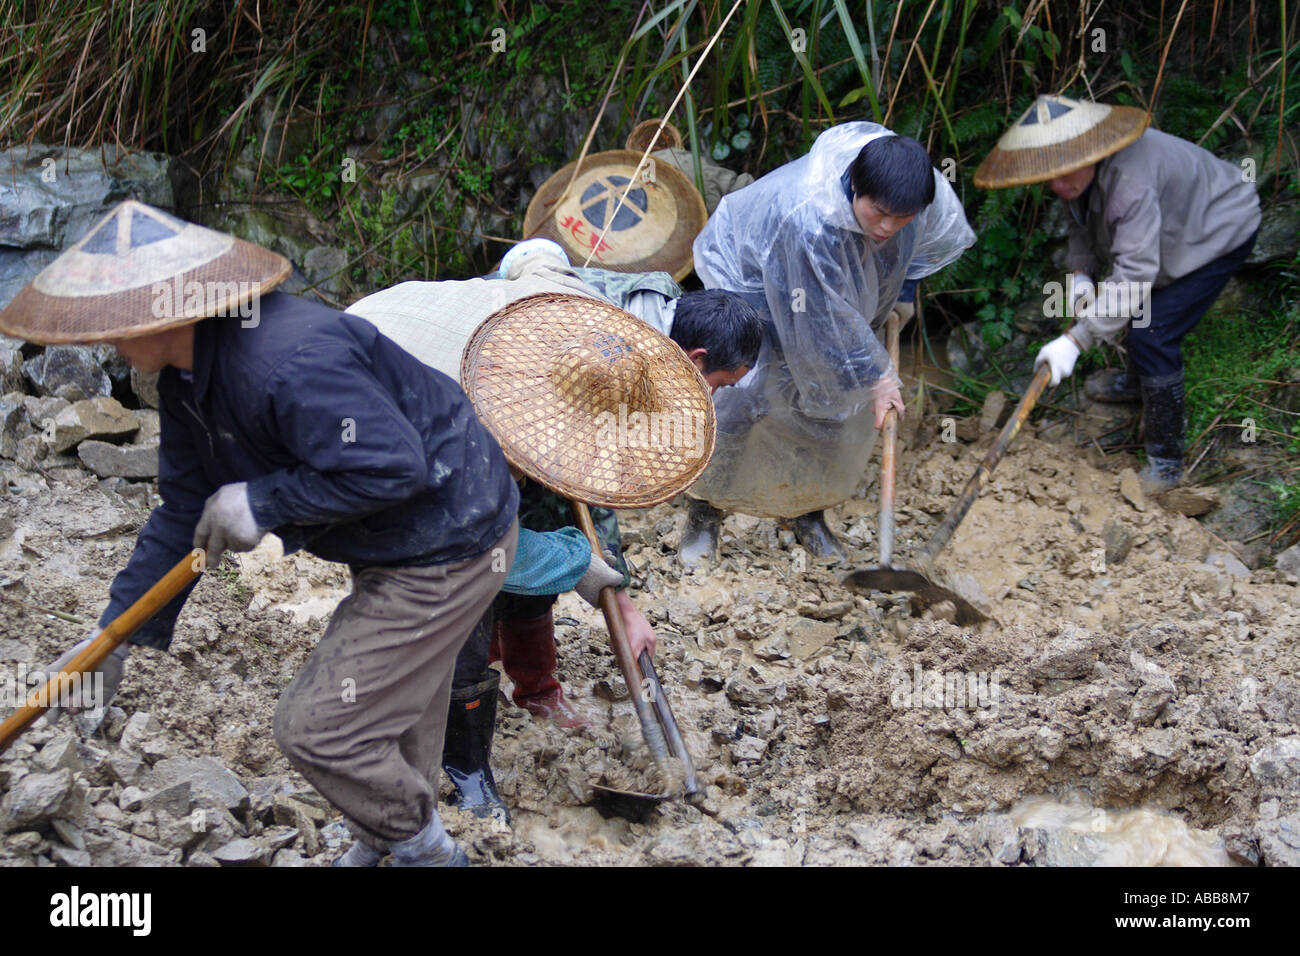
(11, 370)
(1118, 540)
(243, 852)
(14, 423)
(145, 388)
(211, 783)
(1289, 560)
(100, 417)
(70, 857)
(748, 749)
(1279, 840)
(1277, 764)
(1069, 655)
(150, 426)
(35, 799)
(262, 793)
(30, 452)
(1156, 691)
(70, 372)
(125, 768)
(174, 799)
(1224, 563)
(60, 753)
(124, 461)
(139, 728)
(69, 833)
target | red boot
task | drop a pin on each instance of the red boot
(528, 655)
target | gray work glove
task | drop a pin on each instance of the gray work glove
(112, 668)
(598, 577)
(227, 523)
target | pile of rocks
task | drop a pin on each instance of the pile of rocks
(123, 797)
(58, 410)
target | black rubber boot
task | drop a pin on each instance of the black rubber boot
(1162, 422)
(810, 531)
(468, 748)
(700, 539)
(1118, 386)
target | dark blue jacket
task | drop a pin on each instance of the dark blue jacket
(351, 448)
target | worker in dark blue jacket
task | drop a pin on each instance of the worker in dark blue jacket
(279, 415)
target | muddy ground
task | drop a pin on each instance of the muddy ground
(1132, 702)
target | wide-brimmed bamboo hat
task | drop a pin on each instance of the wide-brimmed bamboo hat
(644, 131)
(589, 401)
(1057, 135)
(653, 229)
(138, 271)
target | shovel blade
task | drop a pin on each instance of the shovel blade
(629, 804)
(928, 592)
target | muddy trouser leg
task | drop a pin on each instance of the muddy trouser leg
(1156, 349)
(364, 719)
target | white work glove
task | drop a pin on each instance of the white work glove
(1083, 301)
(598, 577)
(112, 668)
(1060, 354)
(227, 522)
(904, 311)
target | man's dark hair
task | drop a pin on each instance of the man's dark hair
(723, 324)
(895, 171)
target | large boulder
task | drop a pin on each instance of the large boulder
(51, 195)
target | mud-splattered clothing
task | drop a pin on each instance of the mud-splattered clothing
(365, 717)
(352, 449)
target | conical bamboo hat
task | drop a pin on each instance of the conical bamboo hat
(138, 271)
(589, 401)
(653, 229)
(1057, 135)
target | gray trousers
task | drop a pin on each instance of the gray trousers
(364, 719)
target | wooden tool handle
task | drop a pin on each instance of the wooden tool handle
(977, 481)
(122, 627)
(889, 456)
(650, 729)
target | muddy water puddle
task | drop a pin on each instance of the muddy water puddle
(1109, 837)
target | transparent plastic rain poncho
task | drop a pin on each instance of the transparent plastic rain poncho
(796, 434)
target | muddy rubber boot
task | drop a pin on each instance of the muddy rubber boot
(467, 750)
(810, 531)
(528, 655)
(1162, 422)
(432, 846)
(1116, 386)
(700, 539)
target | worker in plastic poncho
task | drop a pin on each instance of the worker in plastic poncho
(824, 247)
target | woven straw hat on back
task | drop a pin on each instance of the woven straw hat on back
(1058, 135)
(652, 231)
(138, 271)
(590, 401)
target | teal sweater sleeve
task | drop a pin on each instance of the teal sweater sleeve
(550, 562)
